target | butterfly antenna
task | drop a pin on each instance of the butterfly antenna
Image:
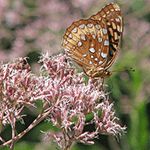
(127, 69)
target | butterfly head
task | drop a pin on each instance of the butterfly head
(107, 73)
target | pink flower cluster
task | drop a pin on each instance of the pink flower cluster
(67, 100)
(73, 101)
(18, 89)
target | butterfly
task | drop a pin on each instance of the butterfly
(94, 43)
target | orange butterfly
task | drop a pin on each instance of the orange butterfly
(94, 43)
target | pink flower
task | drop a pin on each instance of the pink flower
(74, 100)
(17, 90)
(107, 122)
(67, 100)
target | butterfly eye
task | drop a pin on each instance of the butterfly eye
(93, 43)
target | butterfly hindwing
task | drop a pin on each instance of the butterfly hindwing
(111, 13)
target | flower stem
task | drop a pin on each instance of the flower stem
(40, 117)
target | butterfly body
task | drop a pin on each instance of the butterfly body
(94, 43)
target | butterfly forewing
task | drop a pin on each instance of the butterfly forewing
(87, 42)
(93, 43)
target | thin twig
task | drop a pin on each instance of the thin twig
(40, 117)
(13, 126)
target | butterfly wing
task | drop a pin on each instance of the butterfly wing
(111, 13)
(87, 43)
(94, 43)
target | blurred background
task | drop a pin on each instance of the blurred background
(29, 28)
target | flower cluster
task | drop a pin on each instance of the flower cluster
(73, 101)
(17, 90)
(69, 102)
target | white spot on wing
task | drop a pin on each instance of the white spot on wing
(106, 43)
(117, 19)
(96, 59)
(82, 26)
(104, 55)
(70, 36)
(97, 26)
(100, 62)
(104, 31)
(90, 25)
(79, 43)
(92, 56)
(92, 50)
(99, 39)
(82, 36)
(75, 30)
(90, 62)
